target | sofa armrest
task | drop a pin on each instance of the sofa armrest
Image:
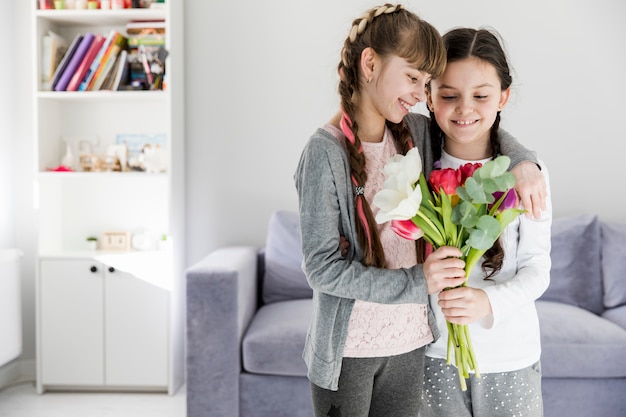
(221, 301)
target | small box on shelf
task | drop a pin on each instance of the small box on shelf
(116, 241)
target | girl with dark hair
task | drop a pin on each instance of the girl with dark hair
(498, 302)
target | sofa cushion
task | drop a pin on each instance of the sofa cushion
(617, 315)
(284, 278)
(614, 263)
(274, 341)
(575, 277)
(578, 344)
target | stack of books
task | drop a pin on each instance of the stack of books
(91, 62)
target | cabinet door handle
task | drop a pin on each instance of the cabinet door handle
(93, 269)
(111, 269)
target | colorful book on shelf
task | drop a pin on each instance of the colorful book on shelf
(107, 83)
(65, 60)
(74, 63)
(121, 70)
(137, 27)
(148, 40)
(102, 59)
(81, 71)
(149, 33)
(96, 62)
(108, 61)
(53, 48)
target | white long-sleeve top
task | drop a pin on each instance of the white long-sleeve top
(508, 339)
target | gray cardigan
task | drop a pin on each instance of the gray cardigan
(326, 203)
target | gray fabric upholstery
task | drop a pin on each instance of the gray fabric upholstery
(576, 262)
(576, 343)
(584, 397)
(274, 342)
(617, 315)
(284, 278)
(221, 299)
(614, 264)
(275, 396)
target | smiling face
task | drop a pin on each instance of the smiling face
(395, 87)
(465, 101)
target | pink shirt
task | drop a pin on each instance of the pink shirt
(377, 330)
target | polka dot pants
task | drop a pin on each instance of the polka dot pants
(504, 394)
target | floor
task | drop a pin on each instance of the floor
(22, 400)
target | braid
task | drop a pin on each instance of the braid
(494, 255)
(367, 230)
(493, 137)
(436, 136)
(360, 24)
(401, 136)
(389, 30)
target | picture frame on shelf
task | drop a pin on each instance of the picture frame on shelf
(146, 152)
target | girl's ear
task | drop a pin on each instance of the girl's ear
(368, 63)
(504, 98)
(429, 101)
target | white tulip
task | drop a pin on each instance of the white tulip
(400, 199)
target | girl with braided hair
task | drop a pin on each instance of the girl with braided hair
(371, 321)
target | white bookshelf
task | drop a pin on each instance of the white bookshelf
(74, 205)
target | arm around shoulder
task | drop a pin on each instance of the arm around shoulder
(512, 148)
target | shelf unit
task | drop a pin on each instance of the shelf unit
(74, 205)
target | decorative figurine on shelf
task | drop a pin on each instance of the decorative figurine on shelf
(119, 151)
(155, 159)
(68, 159)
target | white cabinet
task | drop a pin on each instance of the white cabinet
(71, 313)
(103, 330)
(136, 328)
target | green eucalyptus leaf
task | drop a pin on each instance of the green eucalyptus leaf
(501, 183)
(495, 167)
(490, 186)
(485, 234)
(476, 192)
(465, 214)
(463, 194)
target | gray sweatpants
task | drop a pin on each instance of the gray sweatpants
(374, 387)
(503, 394)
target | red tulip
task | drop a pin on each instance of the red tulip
(446, 178)
(468, 169)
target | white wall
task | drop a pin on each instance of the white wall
(260, 77)
(7, 143)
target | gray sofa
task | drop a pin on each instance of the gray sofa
(248, 309)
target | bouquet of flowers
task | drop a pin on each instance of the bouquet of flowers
(468, 208)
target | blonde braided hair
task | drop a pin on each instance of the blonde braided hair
(390, 30)
(359, 24)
